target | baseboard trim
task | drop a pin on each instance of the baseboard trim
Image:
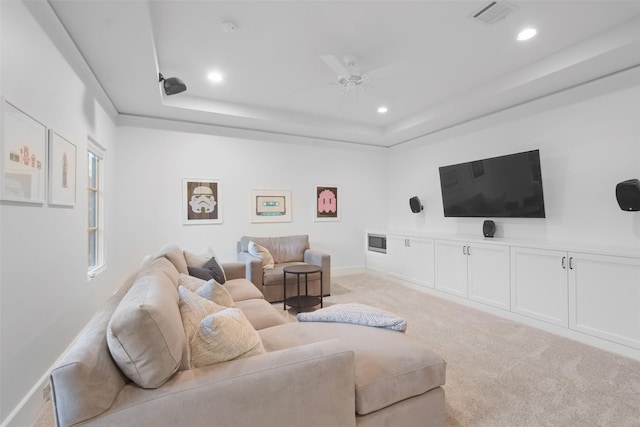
(25, 413)
(345, 271)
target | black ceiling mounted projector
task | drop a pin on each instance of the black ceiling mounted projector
(172, 85)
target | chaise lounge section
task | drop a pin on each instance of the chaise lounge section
(307, 373)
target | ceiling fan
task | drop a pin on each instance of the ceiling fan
(351, 79)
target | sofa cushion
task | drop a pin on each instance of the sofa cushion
(210, 289)
(174, 254)
(145, 335)
(263, 253)
(223, 336)
(390, 366)
(283, 249)
(261, 314)
(242, 289)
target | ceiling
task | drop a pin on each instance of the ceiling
(430, 63)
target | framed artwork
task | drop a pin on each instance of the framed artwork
(62, 171)
(270, 206)
(23, 143)
(201, 201)
(326, 203)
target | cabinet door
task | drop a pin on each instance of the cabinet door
(604, 297)
(451, 267)
(489, 274)
(539, 284)
(397, 254)
(420, 261)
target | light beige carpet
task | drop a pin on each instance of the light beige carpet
(499, 372)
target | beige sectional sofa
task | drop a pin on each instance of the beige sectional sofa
(285, 250)
(130, 365)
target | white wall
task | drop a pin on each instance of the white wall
(589, 140)
(150, 191)
(45, 298)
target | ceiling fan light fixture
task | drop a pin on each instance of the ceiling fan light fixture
(382, 109)
(172, 85)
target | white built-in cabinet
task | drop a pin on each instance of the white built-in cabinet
(476, 271)
(539, 287)
(411, 259)
(591, 292)
(604, 297)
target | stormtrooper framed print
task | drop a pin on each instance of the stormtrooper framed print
(201, 201)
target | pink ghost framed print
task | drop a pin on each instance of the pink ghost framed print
(326, 201)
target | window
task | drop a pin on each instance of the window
(95, 229)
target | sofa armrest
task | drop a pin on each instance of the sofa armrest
(310, 385)
(253, 268)
(234, 270)
(323, 259)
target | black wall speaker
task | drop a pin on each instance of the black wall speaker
(628, 195)
(415, 204)
(488, 228)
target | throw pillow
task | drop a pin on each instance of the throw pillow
(216, 270)
(263, 253)
(190, 282)
(210, 270)
(198, 260)
(194, 308)
(223, 336)
(215, 292)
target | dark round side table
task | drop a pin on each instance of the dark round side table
(306, 300)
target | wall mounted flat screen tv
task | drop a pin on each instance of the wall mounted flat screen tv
(500, 187)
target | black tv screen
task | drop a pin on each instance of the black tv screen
(505, 186)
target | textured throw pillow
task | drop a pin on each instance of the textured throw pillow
(263, 253)
(194, 308)
(223, 336)
(207, 289)
(215, 292)
(190, 282)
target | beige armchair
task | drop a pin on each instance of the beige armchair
(286, 250)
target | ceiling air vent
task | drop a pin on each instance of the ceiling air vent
(493, 12)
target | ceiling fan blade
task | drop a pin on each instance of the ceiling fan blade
(335, 64)
(388, 70)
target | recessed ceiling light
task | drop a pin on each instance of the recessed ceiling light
(215, 76)
(526, 34)
(382, 110)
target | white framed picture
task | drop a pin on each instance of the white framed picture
(270, 206)
(201, 201)
(62, 171)
(326, 207)
(23, 151)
